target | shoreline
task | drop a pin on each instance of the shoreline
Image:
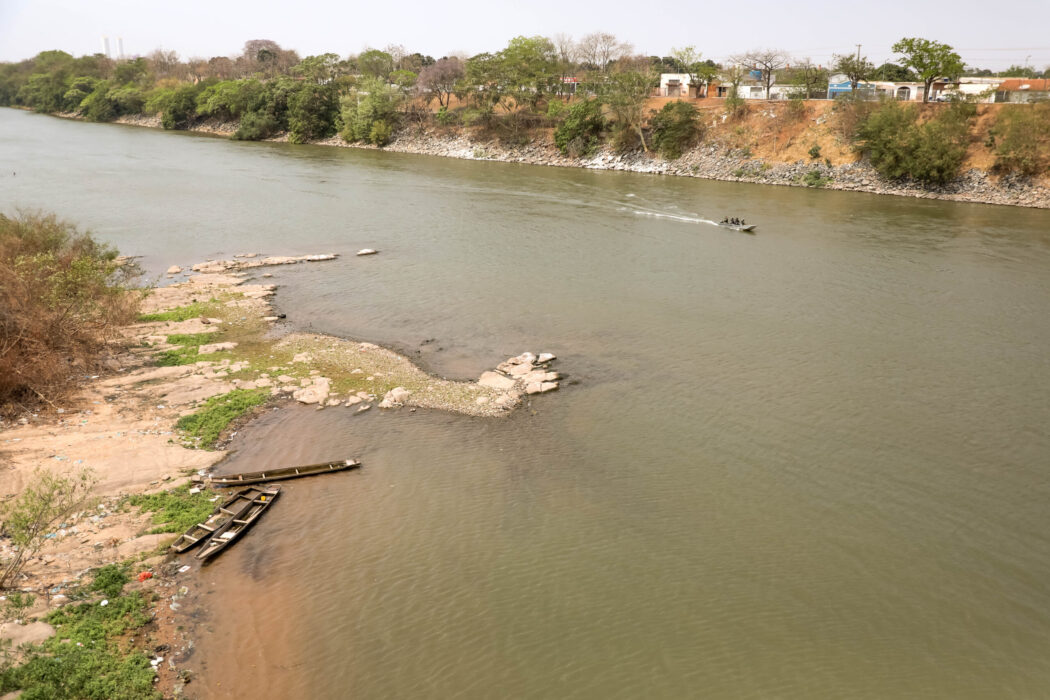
(706, 161)
(121, 426)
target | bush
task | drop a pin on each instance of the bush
(736, 107)
(380, 133)
(899, 146)
(376, 101)
(1023, 138)
(256, 126)
(445, 117)
(675, 129)
(814, 179)
(62, 294)
(814, 151)
(110, 580)
(556, 109)
(311, 113)
(580, 134)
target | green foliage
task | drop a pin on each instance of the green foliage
(380, 133)
(190, 338)
(373, 102)
(208, 423)
(110, 580)
(814, 151)
(79, 89)
(675, 129)
(735, 106)
(580, 133)
(84, 660)
(557, 110)
(444, 117)
(375, 63)
(814, 179)
(177, 105)
(899, 146)
(929, 59)
(256, 126)
(625, 94)
(230, 99)
(188, 354)
(34, 513)
(176, 510)
(1023, 138)
(311, 113)
(182, 313)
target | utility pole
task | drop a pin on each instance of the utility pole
(858, 53)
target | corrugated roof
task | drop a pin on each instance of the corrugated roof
(1017, 84)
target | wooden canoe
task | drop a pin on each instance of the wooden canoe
(256, 501)
(281, 473)
(216, 522)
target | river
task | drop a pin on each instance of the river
(809, 463)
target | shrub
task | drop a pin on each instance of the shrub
(256, 126)
(1023, 138)
(899, 146)
(814, 179)
(675, 129)
(380, 133)
(580, 133)
(814, 151)
(62, 294)
(556, 109)
(311, 113)
(375, 101)
(736, 107)
(444, 117)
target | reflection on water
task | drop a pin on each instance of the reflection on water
(806, 463)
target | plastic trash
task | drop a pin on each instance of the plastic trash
(104, 603)
(184, 569)
(145, 575)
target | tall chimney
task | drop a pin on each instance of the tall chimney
(120, 47)
(105, 46)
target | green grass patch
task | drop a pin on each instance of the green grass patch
(191, 338)
(181, 313)
(85, 658)
(208, 423)
(176, 510)
(181, 356)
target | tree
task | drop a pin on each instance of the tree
(675, 128)
(42, 504)
(440, 79)
(601, 48)
(375, 63)
(311, 113)
(701, 73)
(810, 78)
(319, 69)
(1016, 71)
(766, 61)
(856, 68)
(930, 59)
(894, 73)
(625, 94)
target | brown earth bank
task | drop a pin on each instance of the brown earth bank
(121, 426)
(771, 144)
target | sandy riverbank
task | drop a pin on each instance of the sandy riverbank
(121, 425)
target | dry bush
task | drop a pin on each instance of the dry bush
(849, 114)
(62, 294)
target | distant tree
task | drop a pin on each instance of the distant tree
(701, 72)
(766, 61)
(132, 71)
(930, 60)
(810, 78)
(892, 72)
(440, 79)
(319, 69)
(1016, 71)
(220, 67)
(164, 64)
(625, 94)
(311, 112)
(601, 48)
(855, 68)
(375, 63)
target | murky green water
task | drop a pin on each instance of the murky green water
(813, 462)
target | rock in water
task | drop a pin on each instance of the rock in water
(367, 251)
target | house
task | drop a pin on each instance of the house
(839, 84)
(678, 85)
(1023, 90)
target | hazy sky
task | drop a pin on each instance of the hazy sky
(986, 34)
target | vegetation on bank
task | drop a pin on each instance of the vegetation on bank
(206, 425)
(62, 295)
(91, 656)
(175, 510)
(590, 92)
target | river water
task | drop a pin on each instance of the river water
(809, 463)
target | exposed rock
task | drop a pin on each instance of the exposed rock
(367, 251)
(521, 370)
(302, 357)
(316, 393)
(174, 270)
(353, 401)
(495, 381)
(545, 357)
(540, 387)
(397, 396)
